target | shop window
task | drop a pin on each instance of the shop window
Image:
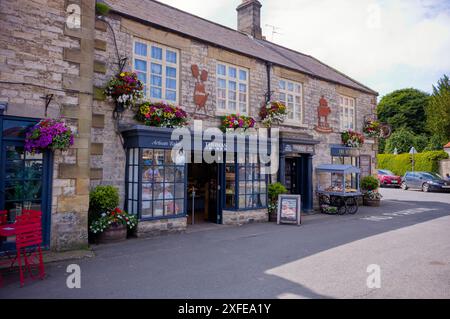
(24, 177)
(230, 185)
(251, 185)
(156, 184)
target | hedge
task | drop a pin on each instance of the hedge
(400, 164)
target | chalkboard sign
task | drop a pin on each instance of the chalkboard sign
(289, 207)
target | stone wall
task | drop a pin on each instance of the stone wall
(444, 167)
(245, 216)
(162, 226)
(40, 55)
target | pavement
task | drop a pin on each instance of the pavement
(398, 250)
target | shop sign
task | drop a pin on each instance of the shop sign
(289, 209)
(163, 143)
(344, 152)
(216, 146)
(298, 148)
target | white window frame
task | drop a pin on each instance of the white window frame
(238, 81)
(347, 121)
(164, 63)
(297, 107)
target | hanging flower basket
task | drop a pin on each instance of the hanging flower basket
(125, 89)
(273, 112)
(48, 134)
(161, 115)
(352, 139)
(236, 121)
(372, 128)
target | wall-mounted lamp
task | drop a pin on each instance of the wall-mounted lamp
(3, 107)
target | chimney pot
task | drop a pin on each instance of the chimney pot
(249, 18)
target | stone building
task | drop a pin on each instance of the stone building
(56, 57)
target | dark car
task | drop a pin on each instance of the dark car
(387, 178)
(425, 181)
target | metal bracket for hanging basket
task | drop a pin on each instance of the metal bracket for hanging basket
(118, 110)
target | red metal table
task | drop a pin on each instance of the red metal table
(7, 230)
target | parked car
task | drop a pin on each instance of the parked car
(425, 181)
(387, 178)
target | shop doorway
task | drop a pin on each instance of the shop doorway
(292, 175)
(205, 206)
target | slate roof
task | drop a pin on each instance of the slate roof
(170, 18)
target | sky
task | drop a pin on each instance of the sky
(384, 44)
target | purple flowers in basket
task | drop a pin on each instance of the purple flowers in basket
(48, 134)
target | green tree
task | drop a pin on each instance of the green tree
(438, 114)
(403, 139)
(404, 109)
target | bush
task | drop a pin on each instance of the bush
(369, 183)
(400, 164)
(276, 189)
(403, 139)
(102, 199)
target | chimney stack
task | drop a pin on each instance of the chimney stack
(249, 18)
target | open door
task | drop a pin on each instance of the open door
(215, 194)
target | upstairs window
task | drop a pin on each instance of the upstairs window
(348, 113)
(290, 94)
(157, 67)
(232, 89)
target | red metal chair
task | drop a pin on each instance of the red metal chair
(28, 244)
(3, 217)
(3, 221)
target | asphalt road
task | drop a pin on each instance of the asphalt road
(407, 239)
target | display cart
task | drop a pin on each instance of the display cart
(338, 188)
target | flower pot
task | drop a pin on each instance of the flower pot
(273, 217)
(371, 202)
(114, 234)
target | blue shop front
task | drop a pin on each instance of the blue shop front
(296, 167)
(163, 184)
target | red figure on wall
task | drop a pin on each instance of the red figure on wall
(323, 112)
(200, 95)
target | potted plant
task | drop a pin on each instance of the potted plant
(102, 199)
(48, 134)
(273, 112)
(125, 89)
(351, 138)
(273, 191)
(161, 115)
(371, 196)
(112, 226)
(236, 121)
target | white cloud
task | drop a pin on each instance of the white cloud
(362, 38)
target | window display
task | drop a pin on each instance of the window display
(162, 184)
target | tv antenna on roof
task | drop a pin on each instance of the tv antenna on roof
(274, 30)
